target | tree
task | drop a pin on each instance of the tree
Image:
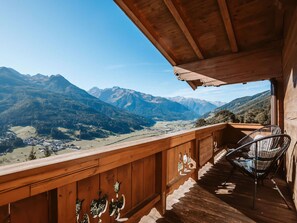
(201, 122)
(261, 118)
(47, 151)
(32, 155)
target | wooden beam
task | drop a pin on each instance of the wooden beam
(181, 23)
(228, 25)
(146, 29)
(260, 64)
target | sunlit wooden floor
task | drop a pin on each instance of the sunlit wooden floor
(208, 201)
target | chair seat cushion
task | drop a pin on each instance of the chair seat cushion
(265, 158)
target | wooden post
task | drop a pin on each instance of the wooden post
(66, 203)
(161, 172)
(195, 153)
(273, 102)
(280, 103)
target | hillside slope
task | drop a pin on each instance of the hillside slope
(55, 102)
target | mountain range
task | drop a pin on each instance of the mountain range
(156, 108)
(52, 101)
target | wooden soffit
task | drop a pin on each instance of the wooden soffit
(213, 42)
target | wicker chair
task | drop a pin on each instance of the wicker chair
(264, 131)
(259, 158)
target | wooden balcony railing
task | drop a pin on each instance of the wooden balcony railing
(46, 190)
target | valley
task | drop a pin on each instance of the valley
(22, 154)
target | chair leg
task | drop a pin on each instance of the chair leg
(280, 193)
(255, 193)
(229, 176)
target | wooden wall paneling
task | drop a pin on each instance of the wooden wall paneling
(87, 190)
(289, 94)
(137, 182)
(33, 209)
(161, 166)
(171, 164)
(66, 203)
(149, 176)
(205, 150)
(107, 181)
(4, 214)
(124, 177)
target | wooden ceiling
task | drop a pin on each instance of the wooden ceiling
(214, 42)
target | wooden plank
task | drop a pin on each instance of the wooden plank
(88, 190)
(195, 157)
(107, 181)
(66, 203)
(147, 31)
(180, 180)
(33, 209)
(14, 195)
(161, 165)
(149, 176)
(228, 25)
(171, 165)
(4, 214)
(260, 64)
(60, 181)
(137, 182)
(181, 22)
(53, 207)
(143, 209)
(124, 177)
(205, 150)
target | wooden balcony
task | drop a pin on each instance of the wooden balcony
(46, 190)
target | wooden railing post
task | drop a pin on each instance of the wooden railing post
(66, 203)
(161, 172)
(195, 154)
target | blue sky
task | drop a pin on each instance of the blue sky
(93, 43)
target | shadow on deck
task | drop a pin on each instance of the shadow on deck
(208, 201)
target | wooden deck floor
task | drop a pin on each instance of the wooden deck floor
(208, 201)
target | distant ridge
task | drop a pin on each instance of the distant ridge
(199, 106)
(248, 109)
(157, 108)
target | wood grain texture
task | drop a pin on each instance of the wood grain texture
(228, 25)
(125, 177)
(33, 210)
(4, 214)
(88, 190)
(208, 202)
(66, 203)
(161, 172)
(205, 150)
(180, 21)
(149, 176)
(107, 181)
(289, 96)
(137, 182)
(260, 64)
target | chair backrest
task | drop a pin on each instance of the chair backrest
(267, 130)
(258, 157)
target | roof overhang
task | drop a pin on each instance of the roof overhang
(214, 42)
